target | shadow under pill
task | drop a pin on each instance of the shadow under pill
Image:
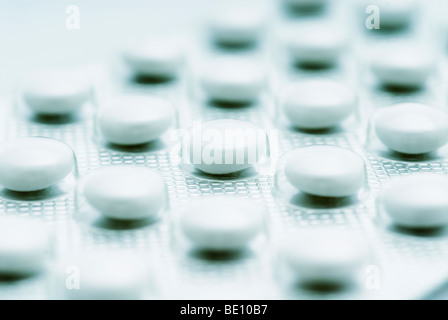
(297, 11)
(242, 174)
(434, 232)
(397, 156)
(114, 224)
(151, 80)
(235, 47)
(153, 146)
(219, 256)
(48, 193)
(229, 105)
(324, 288)
(309, 201)
(323, 131)
(9, 278)
(307, 66)
(55, 119)
(401, 90)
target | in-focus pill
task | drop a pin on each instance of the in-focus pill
(102, 276)
(225, 146)
(316, 43)
(317, 104)
(325, 171)
(220, 223)
(133, 120)
(24, 246)
(155, 57)
(237, 26)
(56, 93)
(325, 255)
(412, 128)
(126, 192)
(405, 65)
(417, 201)
(32, 164)
(236, 80)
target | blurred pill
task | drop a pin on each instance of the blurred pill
(32, 164)
(56, 93)
(317, 104)
(404, 65)
(393, 14)
(220, 223)
(126, 192)
(305, 5)
(238, 26)
(417, 201)
(133, 120)
(320, 44)
(24, 246)
(325, 171)
(325, 255)
(101, 276)
(412, 128)
(236, 80)
(225, 146)
(154, 57)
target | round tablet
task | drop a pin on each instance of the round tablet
(154, 57)
(220, 223)
(417, 201)
(412, 128)
(56, 93)
(325, 171)
(316, 43)
(403, 66)
(133, 120)
(225, 146)
(102, 276)
(317, 104)
(126, 192)
(325, 255)
(32, 164)
(237, 26)
(233, 80)
(24, 246)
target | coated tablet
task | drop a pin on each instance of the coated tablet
(56, 93)
(126, 192)
(154, 57)
(404, 65)
(225, 146)
(32, 164)
(316, 43)
(325, 255)
(325, 171)
(412, 128)
(417, 201)
(221, 223)
(24, 246)
(237, 80)
(133, 120)
(317, 104)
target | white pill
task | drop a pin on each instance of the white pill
(102, 276)
(417, 201)
(412, 128)
(220, 223)
(392, 14)
(24, 246)
(325, 171)
(126, 192)
(225, 146)
(325, 255)
(405, 65)
(233, 80)
(155, 56)
(316, 104)
(32, 164)
(316, 43)
(132, 120)
(237, 26)
(56, 93)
